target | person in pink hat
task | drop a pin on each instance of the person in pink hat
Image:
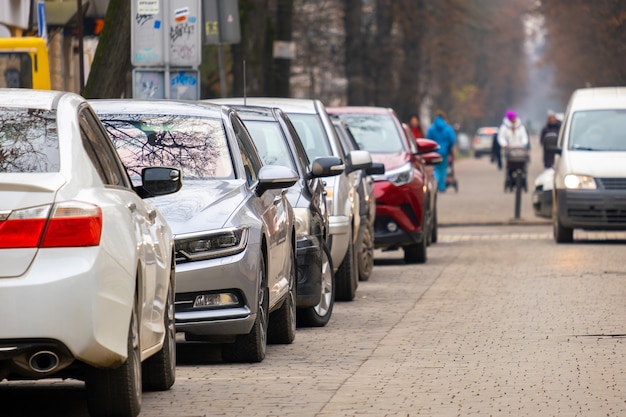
(512, 134)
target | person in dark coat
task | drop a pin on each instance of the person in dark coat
(548, 139)
(496, 151)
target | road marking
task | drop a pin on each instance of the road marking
(578, 235)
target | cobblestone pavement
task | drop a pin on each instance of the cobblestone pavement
(500, 321)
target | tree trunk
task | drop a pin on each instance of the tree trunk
(281, 68)
(111, 65)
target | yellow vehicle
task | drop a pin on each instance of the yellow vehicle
(24, 63)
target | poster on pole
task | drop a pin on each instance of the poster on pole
(147, 33)
(185, 32)
(184, 84)
(149, 83)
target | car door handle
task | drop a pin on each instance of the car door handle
(152, 215)
(278, 199)
(132, 207)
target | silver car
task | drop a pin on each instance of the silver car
(86, 264)
(233, 226)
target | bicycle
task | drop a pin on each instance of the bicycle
(516, 174)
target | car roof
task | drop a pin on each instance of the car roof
(31, 99)
(186, 108)
(359, 110)
(290, 105)
(254, 113)
(599, 98)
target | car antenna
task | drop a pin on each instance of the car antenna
(244, 84)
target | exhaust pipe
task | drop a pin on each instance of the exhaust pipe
(43, 362)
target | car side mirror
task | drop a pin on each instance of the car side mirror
(274, 177)
(326, 166)
(376, 169)
(425, 146)
(357, 160)
(157, 181)
(432, 158)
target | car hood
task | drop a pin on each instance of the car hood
(201, 205)
(597, 163)
(391, 160)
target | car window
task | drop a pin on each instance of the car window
(102, 155)
(270, 142)
(376, 133)
(196, 145)
(28, 140)
(344, 139)
(598, 130)
(312, 134)
(300, 153)
(249, 155)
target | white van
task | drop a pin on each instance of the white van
(590, 170)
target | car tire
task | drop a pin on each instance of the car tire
(346, 278)
(415, 254)
(252, 347)
(433, 227)
(159, 371)
(319, 315)
(562, 234)
(366, 254)
(117, 392)
(282, 325)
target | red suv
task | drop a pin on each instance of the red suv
(403, 217)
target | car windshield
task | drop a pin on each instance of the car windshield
(312, 134)
(28, 141)
(598, 130)
(376, 133)
(270, 142)
(196, 145)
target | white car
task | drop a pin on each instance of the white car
(589, 177)
(86, 266)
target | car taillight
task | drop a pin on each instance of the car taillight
(23, 228)
(71, 224)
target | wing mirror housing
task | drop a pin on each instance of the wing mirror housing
(357, 160)
(274, 177)
(326, 166)
(425, 146)
(376, 169)
(157, 181)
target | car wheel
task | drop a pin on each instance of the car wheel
(366, 255)
(433, 227)
(562, 234)
(159, 371)
(346, 278)
(117, 392)
(251, 347)
(282, 324)
(415, 254)
(319, 315)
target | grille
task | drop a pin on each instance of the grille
(613, 183)
(610, 216)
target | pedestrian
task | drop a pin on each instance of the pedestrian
(442, 133)
(548, 139)
(512, 135)
(496, 151)
(415, 125)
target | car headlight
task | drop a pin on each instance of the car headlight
(579, 182)
(400, 176)
(303, 221)
(214, 244)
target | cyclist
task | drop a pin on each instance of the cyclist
(513, 138)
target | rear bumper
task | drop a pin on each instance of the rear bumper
(592, 209)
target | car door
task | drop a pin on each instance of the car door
(271, 208)
(129, 214)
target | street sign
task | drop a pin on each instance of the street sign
(147, 33)
(148, 83)
(185, 84)
(221, 22)
(185, 33)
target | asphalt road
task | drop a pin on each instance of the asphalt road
(500, 321)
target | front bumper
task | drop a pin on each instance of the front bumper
(592, 209)
(236, 275)
(309, 258)
(75, 302)
(542, 203)
(400, 206)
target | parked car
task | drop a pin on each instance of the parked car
(279, 143)
(589, 178)
(403, 217)
(319, 138)
(483, 140)
(367, 202)
(86, 265)
(233, 225)
(542, 196)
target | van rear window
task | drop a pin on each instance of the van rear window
(28, 140)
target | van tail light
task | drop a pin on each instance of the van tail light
(70, 224)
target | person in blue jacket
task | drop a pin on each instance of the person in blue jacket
(442, 133)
